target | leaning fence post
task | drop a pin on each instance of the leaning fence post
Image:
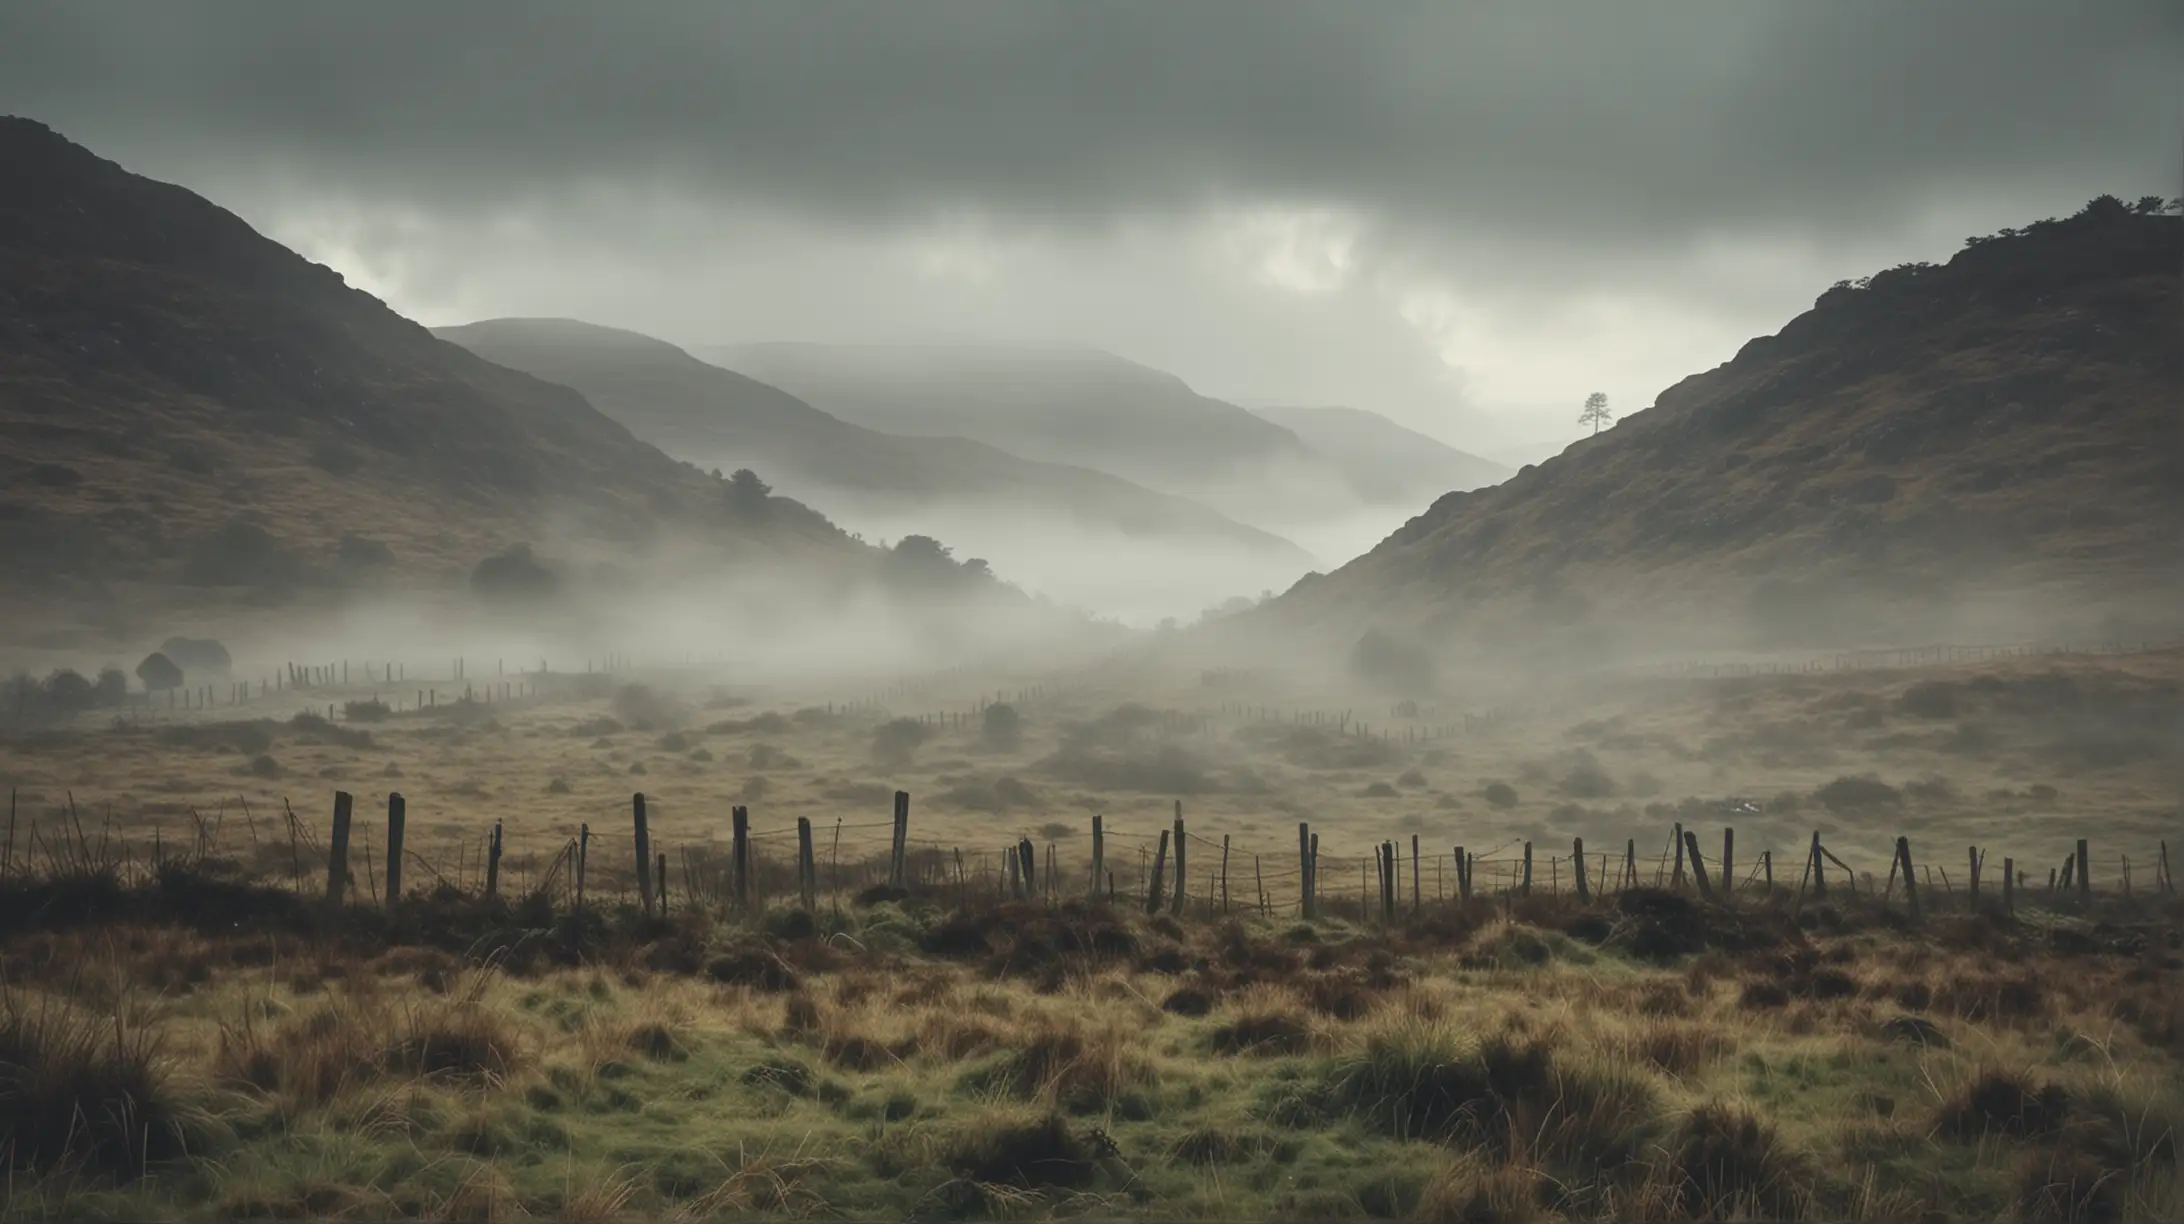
(1181, 874)
(1676, 880)
(739, 854)
(1028, 855)
(1766, 867)
(1630, 863)
(1819, 876)
(397, 818)
(1577, 854)
(492, 863)
(806, 873)
(2085, 875)
(1160, 867)
(1698, 865)
(337, 859)
(644, 851)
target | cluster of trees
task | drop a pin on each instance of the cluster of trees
(923, 565)
(63, 694)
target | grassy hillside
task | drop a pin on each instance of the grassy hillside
(1387, 464)
(718, 418)
(184, 400)
(2001, 428)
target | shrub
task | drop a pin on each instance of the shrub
(1001, 726)
(514, 576)
(897, 740)
(1500, 795)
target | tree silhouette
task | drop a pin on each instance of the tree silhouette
(1596, 411)
(747, 494)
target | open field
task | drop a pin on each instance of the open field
(189, 1033)
(2020, 755)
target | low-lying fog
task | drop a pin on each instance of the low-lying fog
(1137, 581)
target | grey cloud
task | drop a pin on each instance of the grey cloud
(1603, 123)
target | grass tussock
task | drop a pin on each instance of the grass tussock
(87, 1091)
(357, 1036)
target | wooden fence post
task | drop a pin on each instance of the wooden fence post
(1182, 874)
(1819, 876)
(1027, 854)
(1630, 863)
(1728, 864)
(1315, 873)
(1526, 889)
(492, 863)
(1099, 853)
(1414, 879)
(1972, 888)
(739, 855)
(1304, 871)
(1160, 867)
(2085, 875)
(2009, 886)
(397, 820)
(1698, 865)
(1463, 875)
(902, 840)
(660, 874)
(1910, 883)
(1676, 880)
(337, 859)
(1224, 873)
(1577, 854)
(583, 856)
(1766, 867)
(644, 852)
(807, 873)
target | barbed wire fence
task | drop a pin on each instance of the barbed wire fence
(1173, 870)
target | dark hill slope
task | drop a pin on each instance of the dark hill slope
(1998, 431)
(182, 398)
(719, 418)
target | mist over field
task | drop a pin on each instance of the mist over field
(1051, 612)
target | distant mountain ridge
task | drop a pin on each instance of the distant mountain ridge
(1995, 436)
(1081, 407)
(1387, 463)
(714, 416)
(183, 399)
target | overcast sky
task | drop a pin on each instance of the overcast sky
(1464, 216)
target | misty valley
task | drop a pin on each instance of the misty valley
(525, 766)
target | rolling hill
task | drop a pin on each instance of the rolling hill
(1387, 464)
(183, 400)
(1985, 446)
(1073, 406)
(715, 417)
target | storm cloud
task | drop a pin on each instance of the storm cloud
(1408, 206)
